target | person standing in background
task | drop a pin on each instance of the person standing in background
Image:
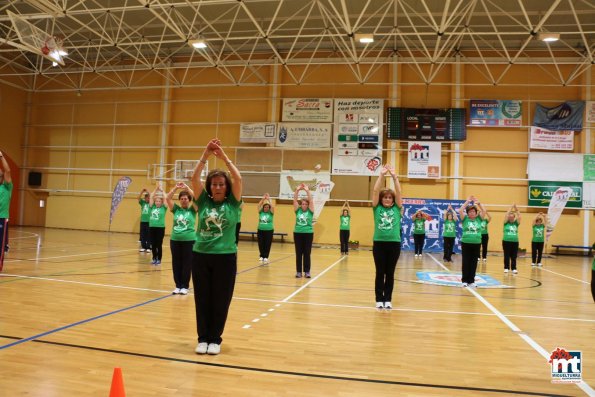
(510, 238)
(145, 215)
(157, 224)
(449, 233)
(485, 237)
(266, 213)
(303, 232)
(5, 195)
(344, 228)
(419, 231)
(538, 239)
(471, 241)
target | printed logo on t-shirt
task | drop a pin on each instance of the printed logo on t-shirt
(512, 230)
(345, 221)
(387, 219)
(145, 209)
(539, 232)
(450, 227)
(214, 223)
(472, 228)
(264, 218)
(155, 214)
(302, 219)
(181, 223)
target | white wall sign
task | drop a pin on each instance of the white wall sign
(310, 135)
(308, 109)
(258, 133)
(542, 138)
(290, 180)
(424, 160)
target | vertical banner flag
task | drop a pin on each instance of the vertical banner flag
(566, 116)
(357, 136)
(118, 195)
(424, 159)
(323, 192)
(557, 204)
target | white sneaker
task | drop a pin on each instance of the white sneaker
(260, 259)
(379, 305)
(515, 271)
(176, 291)
(473, 285)
(141, 250)
(505, 270)
(464, 285)
(148, 250)
(265, 260)
(533, 265)
(201, 348)
(539, 264)
(388, 305)
(485, 260)
(214, 349)
(183, 291)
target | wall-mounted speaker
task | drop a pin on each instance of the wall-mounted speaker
(34, 178)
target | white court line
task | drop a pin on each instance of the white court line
(246, 326)
(563, 275)
(584, 386)
(67, 256)
(278, 302)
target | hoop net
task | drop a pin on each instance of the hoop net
(36, 40)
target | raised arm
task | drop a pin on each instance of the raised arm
(152, 198)
(346, 207)
(142, 192)
(310, 201)
(197, 184)
(6, 168)
(464, 206)
(483, 214)
(517, 213)
(378, 185)
(236, 186)
(398, 197)
(295, 197)
(169, 199)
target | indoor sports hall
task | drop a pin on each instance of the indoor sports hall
(449, 104)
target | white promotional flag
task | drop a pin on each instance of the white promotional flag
(557, 204)
(322, 195)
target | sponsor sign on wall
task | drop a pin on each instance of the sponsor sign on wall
(541, 192)
(302, 135)
(544, 139)
(258, 133)
(495, 113)
(424, 159)
(566, 116)
(308, 109)
(357, 137)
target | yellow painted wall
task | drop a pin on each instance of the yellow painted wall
(134, 118)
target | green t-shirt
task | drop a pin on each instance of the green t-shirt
(387, 223)
(184, 223)
(449, 228)
(5, 194)
(144, 210)
(216, 231)
(303, 221)
(265, 220)
(484, 226)
(593, 264)
(511, 232)
(538, 233)
(419, 226)
(345, 222)
(157, 216)
(471, 231)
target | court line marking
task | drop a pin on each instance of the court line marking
(563, 275)
(584, 386)
(292, 373)
(67, 256)
(52, 331)
(276, 301)
(290, 296)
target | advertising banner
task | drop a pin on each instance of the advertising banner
(424, 160)
(318, 110)
(301, 135)
(118, 195)
(495, 113)
(436, 209)
(589, 167)
(541, 192)
(290, 180)
(588, 195)
(544, 139)
(559, 200)
(566, 116)
(258, 133)
(357, 138)
(591, 112)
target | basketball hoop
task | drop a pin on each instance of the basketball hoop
(53, 47)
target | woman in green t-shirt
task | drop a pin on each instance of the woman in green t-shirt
(303, 233)
(157, 224)
(183, 234)
(485, 237)
(386, 249)
(538, 238)
(143, 201)
(266, 213)
(471, 217)
(344, 227)
(214, 265)
(449, 232)
(510, 238)
(419, 231)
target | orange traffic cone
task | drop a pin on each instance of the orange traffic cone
(117, 389)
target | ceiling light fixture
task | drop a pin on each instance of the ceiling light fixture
(198, 43)
(364, 38)
(548, 37)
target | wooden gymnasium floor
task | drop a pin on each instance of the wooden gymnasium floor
(76, 304)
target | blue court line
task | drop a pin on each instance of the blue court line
(80, 322)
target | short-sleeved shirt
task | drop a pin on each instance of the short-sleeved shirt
(471, 231)
(387, 223)
(511, 232)
(157, 216)
(484, 226)
(538, 233)
(265, 220)
(449, 228)
(345, 222)
(184, 223)
(216, 231)
(145, 208)
(303, 221)
(5, 194)
(419, 226)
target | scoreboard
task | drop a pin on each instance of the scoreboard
(410, 124)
